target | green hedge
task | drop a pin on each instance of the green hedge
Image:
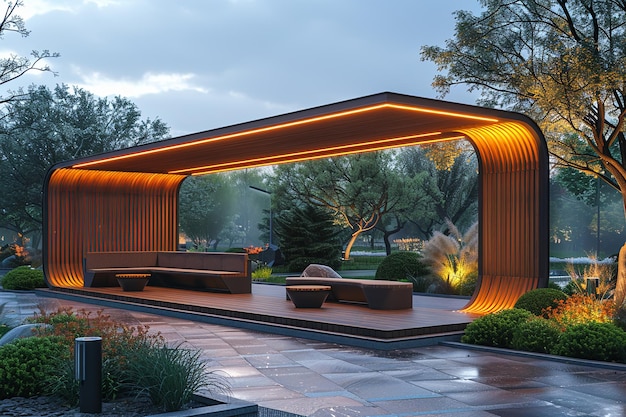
(401, 266)
(26, 364)
(536, 335)
(495, 329)
(23, 278)
(596, 341)
(539, 299)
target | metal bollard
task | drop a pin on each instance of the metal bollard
(88, 362)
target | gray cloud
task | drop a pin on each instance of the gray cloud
(203, 64)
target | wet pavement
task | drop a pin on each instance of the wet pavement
(310, 378)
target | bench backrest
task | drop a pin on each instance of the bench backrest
(215, 261)
(96, 260)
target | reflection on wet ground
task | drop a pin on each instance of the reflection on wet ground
(312, 378)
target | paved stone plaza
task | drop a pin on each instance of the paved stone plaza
(311, 378)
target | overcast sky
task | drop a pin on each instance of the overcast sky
(203, 64)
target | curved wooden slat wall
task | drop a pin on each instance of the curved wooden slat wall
(111, 210)
(513, 218)
(106, 211)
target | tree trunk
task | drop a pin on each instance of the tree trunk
(620, 286)
(346, 255)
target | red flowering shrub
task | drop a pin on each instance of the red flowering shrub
(580, 309)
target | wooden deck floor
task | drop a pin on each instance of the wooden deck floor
(266, 309)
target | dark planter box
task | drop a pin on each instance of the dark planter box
(132, 284)
(216, 407)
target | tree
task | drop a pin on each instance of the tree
(251, 204)
(308, 235)
(563, 64)
(54, 126)
(205, 208)
(13, 66)
(359, 189)
(450, 189)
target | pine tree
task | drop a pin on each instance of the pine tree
(308, 235)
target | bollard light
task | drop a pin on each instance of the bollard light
(592, 285)
(88, 361)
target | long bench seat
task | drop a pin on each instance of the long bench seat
(377, 294)
(214, 271)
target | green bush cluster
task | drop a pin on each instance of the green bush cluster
(401, 266)
(495, 329)
(262, 273)
(23, 278)
(26, 365)
(536, 335)
(596, 341)
(134, 362)
(520, 329)
(537, 300)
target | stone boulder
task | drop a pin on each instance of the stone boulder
(25, 330)
(321, 271)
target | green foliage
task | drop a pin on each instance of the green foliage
(308, 236)
(26, 364)
(536, 335)
(48, 126)
(426, 283)
(596, 341)
(118, 340)
(133, 361)
(363, 191)
(23, 278)
(450, 185)
(171, 375)
(495, 329)
(401, 266)
(205, 206)
(538, 299)
(262, 273)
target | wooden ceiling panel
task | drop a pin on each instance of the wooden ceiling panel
(330, 127)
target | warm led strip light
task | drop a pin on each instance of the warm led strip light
(284, 125)
(308, 156)
(311, 153)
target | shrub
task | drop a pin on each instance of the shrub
(401, 266)
(117, 340)
(536, 335)
(596, 341)
(426, 283)
(170, 375)
(25, 365)
(262, 273)
(537, 300)
(23, 278)
(495, 329)
(579, 309)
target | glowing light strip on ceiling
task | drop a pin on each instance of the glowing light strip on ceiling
(310, 153)
(279, 159)
(282, 126)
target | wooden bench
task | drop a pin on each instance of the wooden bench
(214, 271)
(377, 294)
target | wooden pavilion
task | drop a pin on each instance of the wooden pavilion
(127, 200)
